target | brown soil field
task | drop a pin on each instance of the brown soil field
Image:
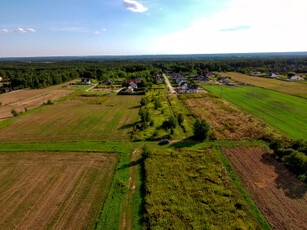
(29, 98)
(228, 121)
(279, 195)
(293, 88)
(76, 120)
(53, 190)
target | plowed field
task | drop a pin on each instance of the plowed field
(53, 190)
(279, 195)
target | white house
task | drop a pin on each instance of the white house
(296, 78)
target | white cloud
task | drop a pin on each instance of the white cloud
(18, 30)
(99, 31)
(245, 26)
(104, 30)
(96, 32)
(134, 6)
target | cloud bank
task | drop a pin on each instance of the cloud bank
(134, 6)
(18, 30)
(244, 26)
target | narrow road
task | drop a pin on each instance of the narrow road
(171, 89)
(91, 88)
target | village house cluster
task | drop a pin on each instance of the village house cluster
(275, 75)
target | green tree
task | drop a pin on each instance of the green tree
(201, 129)
(180, 118)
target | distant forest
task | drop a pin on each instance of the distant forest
(43, 74)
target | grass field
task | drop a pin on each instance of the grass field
(285, 112)
(77, 120)
(293, 88)
(190, 189)
(53, 190)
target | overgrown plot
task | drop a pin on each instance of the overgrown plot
(190, 189)
(279, 195)
(227, 121)
(53, 189)
(77, 120)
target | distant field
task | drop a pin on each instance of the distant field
(279, 195)
(190, 189)
(285, 112)
(29, 98)
(53, 190)
(227, 121)
(293, 88)
(77, 120)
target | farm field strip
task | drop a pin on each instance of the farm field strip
(227, 121)
(52, 189)
(29, 98)
(279, 195)
(293, 88)
(285, 112)
(189, 188)
(76, 120)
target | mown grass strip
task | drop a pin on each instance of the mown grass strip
(253, 208)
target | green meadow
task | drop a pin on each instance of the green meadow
(285, 112)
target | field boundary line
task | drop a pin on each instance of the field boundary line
(237, 182)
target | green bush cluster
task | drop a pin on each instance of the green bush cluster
(293, 156)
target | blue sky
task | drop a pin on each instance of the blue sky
(129, 27)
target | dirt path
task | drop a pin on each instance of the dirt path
(279, 195)
(126, 222)
(171, 89)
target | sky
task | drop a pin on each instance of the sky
(134, 27)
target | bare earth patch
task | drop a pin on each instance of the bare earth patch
(53, 190)
(279, 195)
(227, 121)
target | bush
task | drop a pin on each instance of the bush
(296, 162)
(201, 129)
(49, 102)
(180, 118)
(169, 123)
(14, 112)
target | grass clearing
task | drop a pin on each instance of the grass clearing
(187, 189)
(53, 189)
(76, 120)
(285, 112)
(293, 88)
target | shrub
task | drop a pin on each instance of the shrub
(14, 112)
(296, 162)
(169, 123)
(180, 118)
(201, 129)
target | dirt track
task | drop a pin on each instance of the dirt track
(53, 190)
(127, 215)
(279, 195)
(29, 98)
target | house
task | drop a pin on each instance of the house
(225, 80)
(272, 75)
(192, 88)
(296, 78)
(129, 90)
(209, 75)
(256, 74)
(86, 81)
(231, 84)
(133, 85)
(131, 80)
(183, 85)
(203, 79)
(108, 82)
